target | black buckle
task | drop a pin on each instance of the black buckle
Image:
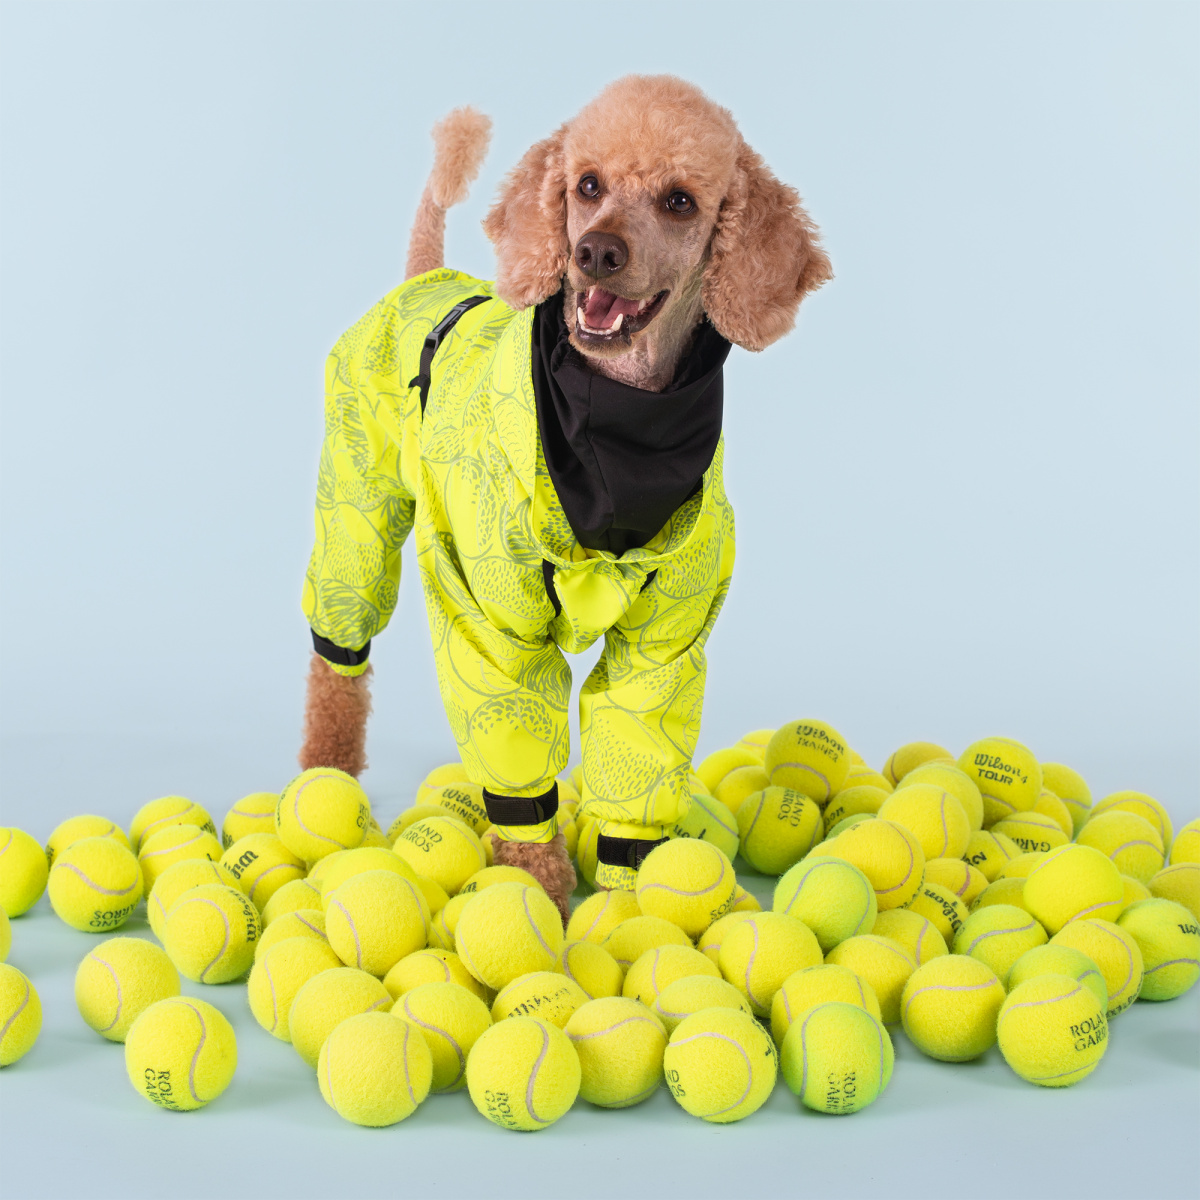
(624, 852)
(521, 810)
(424, 376)
(332, 652)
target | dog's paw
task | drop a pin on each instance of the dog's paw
(548, 863)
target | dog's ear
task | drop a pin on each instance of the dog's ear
(764, 257)
(528, 226)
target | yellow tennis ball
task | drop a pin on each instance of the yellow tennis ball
(453, 772)
(759, 954)
(118, 980)
(304, 922)
(777, 828)
(917, 934)
(887, 854)
(912, 755)
(493, 875)
(634, 936)
(813, 986)
(957, 876)
(279, 974)
(95, 884)
(1033, 832)
(941, 907)
(178, 878)
(1053, 959)
(837, 1058)
(1048, 804)
(884, 964)
(932, 815)
(687, 882)
(442, 849)
(586, 856)
(1136, 890)
(20, 1014)
(293, 896)
(1007, 774)
(718, 764)
(254, 813)
(330, 873)
(523, 1073)
(854, 802)
(1180, 882)
(431, 966)
(1073, 882)
(375, 919)
(693, 994)
(211, 933)
(5, 935)
(262, 864)
(464, 801)
(741, 782)
(75, 828)
(860, 775)
(720, 1065)
(949, 1007)
(1169, 938)
(506, 931)
(435, 895)
(418, 812)
(1071, 788)
(846, 823)
(174, 844)
(592, 968)
(325, 1000)
(1022, 866)
(831, 896)
(998, 935)
(949, 778)
(452, 1019)
(620, 1047)
(374, 1070)
(163, 812)
(600, 914)
(443, 927)
(743, 901)
(711, 939)
(181, 1053)
(808, 756)
(756, 740)
(1185, 848)
(656, 969)
(987, 852)
(1004, 891)
(23, 871)
(711, 821)
(376, 839)
(1130, 841)
(320, 811)
(1140, 805)
(1052, 1031)
(548, 995)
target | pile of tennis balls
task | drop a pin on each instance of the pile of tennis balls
(971, 901)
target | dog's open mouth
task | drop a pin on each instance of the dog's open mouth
(602, 316)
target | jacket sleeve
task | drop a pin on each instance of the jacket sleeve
(363, 515)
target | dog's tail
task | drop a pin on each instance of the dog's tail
(460, 141)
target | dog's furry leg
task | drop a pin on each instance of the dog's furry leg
(460, 142)
(548, 863)
(335, 719)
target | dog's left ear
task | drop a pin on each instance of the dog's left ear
(528, 226)
(765, 256)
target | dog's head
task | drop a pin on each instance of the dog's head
(648, 209)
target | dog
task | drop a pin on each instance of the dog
(554, 442)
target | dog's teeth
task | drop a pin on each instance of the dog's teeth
(580, 319)
(617, 323)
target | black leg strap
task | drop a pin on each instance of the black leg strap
(521, 810)
(434, 340)
(332, 652)
(624, 852)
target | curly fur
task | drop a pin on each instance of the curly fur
(335, 719)
(548, 863)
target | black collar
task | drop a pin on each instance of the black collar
(622, 460)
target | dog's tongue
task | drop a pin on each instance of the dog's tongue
(602, 308)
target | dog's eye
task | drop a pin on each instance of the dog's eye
(589, 187)
(680, 202)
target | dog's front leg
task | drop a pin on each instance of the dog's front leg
(335, 719)
(548, 862)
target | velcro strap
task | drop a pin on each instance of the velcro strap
(624, 852)
(424, 376)
(332, 652)
(521, 810)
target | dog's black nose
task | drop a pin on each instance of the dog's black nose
(600, 254)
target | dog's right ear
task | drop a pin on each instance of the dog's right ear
(528, 226)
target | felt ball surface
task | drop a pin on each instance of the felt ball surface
(998, 935)
(933, 815)
(1007, 774)
(655, 969)
(181, 1053)
(837, 1058)
(1072, 882)
(888, 854)
(777, 827)
(506, 931)
(95, 884)
(1117, 956)
(165, 811)
(118, 980)
(833, 897)
(759, 954)
(600, 914)
(320, 811)
(693, 994)
(1052, 1031)
(1169, 938)
(211, 933)
(523, 1074)
(1071, 788)
(711, 821)
(374, 1070)
(620, 1047)
(720, 1065)
(20, 1014)
(688, 882)
(884, 964)
(254, 813)
(813, 986)
(262, 864)
(23, 871)
(279, 974)
(912, 755)
(945, 775)
(1057, 959)
(375, 919)
(177, 879)
(452, 1019)
(629, 940)
(443, 849)
(808, 756)
(1133, 845)
(431, 965)
(325, 1000)
(549, 995)
(173, 844)
(592, 968)
(949, 1007)
(75, 828)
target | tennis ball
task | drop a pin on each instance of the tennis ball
(837, 1058)
(443, 927)
(548, 995)
(1073, 882)
(711, 939)
(291, 897)
(178, 878)
(846, 823)
(464, 801)
(809, 757)
(174, 844)
(1169, 938)
(523, 1073)
(585, 851)
(882, 963)
(738, 784)
(756, 740)
(1010, 892)
(1070, 787)
(853, 802)
(813, 986)
(1048, 804)
(442, 849)
(687, 882)
(431, 966)
(570, 836)
(506, 931)
(911, 756)
(453, 772)
(1185, 847)
(374, 1070)
(95, 884)
(592, 968)
(1140, 805)
(1021, 866)
(718, 764)
(720, 1065)
(5, 935)
(1180, 883)
(167, 810)
(20, 1013)
(279, 974)
(1054, 959)
(211, 933)
(434, 893)
(620, 1047)
(75, 828)
(635, 935)
(492, 875)
(957, 876)
(759, 954)
(860, 775)
(23, 871)
(375, 919)
(941, 907)
(887, 854)
(988, 852)
(254, 813)
(949, 1007)
(915, 933)
(657, 968)
(743, 901)
(694, 993)
(410, 816)
(1033, 832)
(330, 873)
(831, 896)
(1007, 774)
(262, 864)
(1130, 841)
(949, 778)
(304, 922)
(1052, 1031)
(118, 980)
(932, 815)
(327, 999)
(778, 827)
(452, 1019)
(998, 935)
(322, 810)
(181, 1053)
(708, 820)
(1136, 890)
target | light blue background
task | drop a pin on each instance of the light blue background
(966, 486)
